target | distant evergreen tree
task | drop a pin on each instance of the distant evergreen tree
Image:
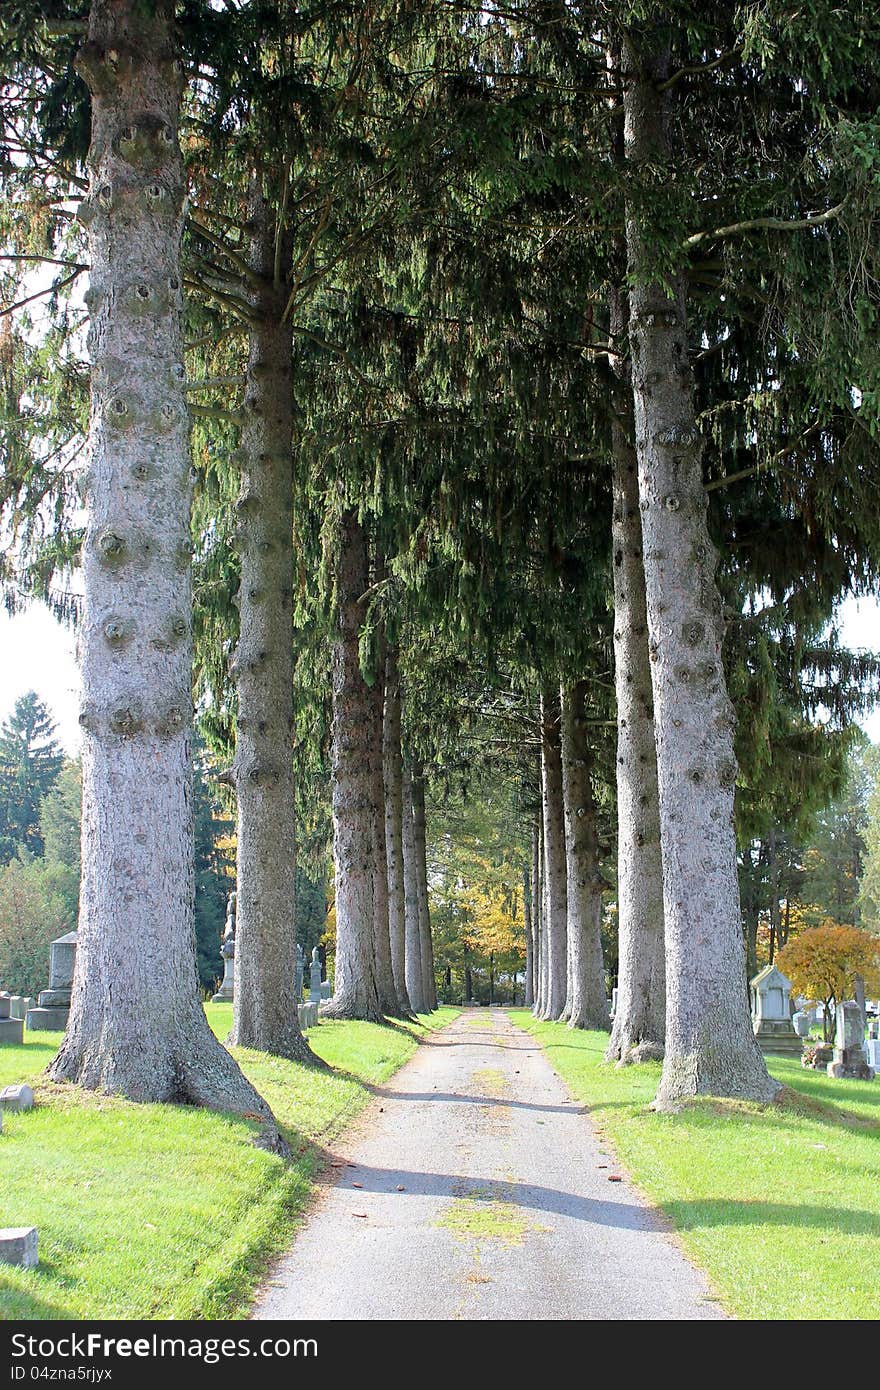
(30, 761)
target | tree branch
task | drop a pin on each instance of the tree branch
(772, 224)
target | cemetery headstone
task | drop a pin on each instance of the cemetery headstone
(227, 950)
(801, 1024)
(850, 1059)
(53, 1004)
(11, 1029)
(771, 1012)
(19, 1097)
(315, 995)
(300, 970)
(18, 1246)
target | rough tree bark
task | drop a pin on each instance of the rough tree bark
(529, 877)
(393, 777)
(429, 984)
(356, 991)
(710, 1046)
(639, 1026)
(554, 858)
(388, 1000)
(265, 1014)
(136, 1023)
(540, 920)
(415, 987)
(586, 1005)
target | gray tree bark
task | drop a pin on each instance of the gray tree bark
(426, 944)
(586, 1006)
(639, 1026)
(529, 877)
(379, 851)
(393, 777)
(540, 921)
(415, 986)
(710, 1046)
(265, 1012)
(554, 858)
(356, 990)
(136, 1023)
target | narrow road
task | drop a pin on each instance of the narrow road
(476, 1188)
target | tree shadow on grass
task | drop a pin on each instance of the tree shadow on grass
(693, 1216)
(18, 1304)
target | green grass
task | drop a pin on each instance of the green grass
(779, 1203)
(161, 1211)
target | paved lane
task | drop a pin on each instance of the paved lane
(477, 1189)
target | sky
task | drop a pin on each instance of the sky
(38, 653)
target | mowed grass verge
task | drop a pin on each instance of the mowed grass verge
(780, 1204)
(165, 1211)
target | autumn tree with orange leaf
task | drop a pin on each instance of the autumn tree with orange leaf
(823, 962)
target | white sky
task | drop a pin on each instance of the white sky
(37, 653)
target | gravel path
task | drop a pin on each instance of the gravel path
(476, 1188)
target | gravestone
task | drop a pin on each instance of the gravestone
(315, 995)
(17, 1097)
(850, 1059)
(308, 1015)
(872, 1051)
(53, 1004)
(801, 1024)
(227, 950)
(326, 990)
(18, 1246)
(613, 1001)
(11, 1029)
(300, 971)
(771, 1012)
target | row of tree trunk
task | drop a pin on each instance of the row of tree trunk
(565, 976)
(384, 954)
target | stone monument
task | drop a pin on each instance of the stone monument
(801, 1024)
(53, 1004)
(315, 995)
(771, 1012)
(850, 1059)
(11, 1029)
(300, 972)
(227, 951)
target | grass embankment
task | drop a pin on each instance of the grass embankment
(779, 1203)
(163, 1211)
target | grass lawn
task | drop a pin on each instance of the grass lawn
(779, 1203)
(164, 1211)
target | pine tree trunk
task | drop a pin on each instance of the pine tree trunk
(528, 890)
(540, 921)
(393, 775)
(265, 1012)
(356, 992)
(379, 852)
(710, 1046)
(554, 858)
(586, 1006)
(136, 1023)
(639, 1026)
(413, 957)
(429, 985)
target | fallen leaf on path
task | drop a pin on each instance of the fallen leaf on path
(357, 1184)
(360, 1213)
(400, 1189)
(603, 1165)
(614, 1177)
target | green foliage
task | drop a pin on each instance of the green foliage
(30, 762)
(34, 909)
